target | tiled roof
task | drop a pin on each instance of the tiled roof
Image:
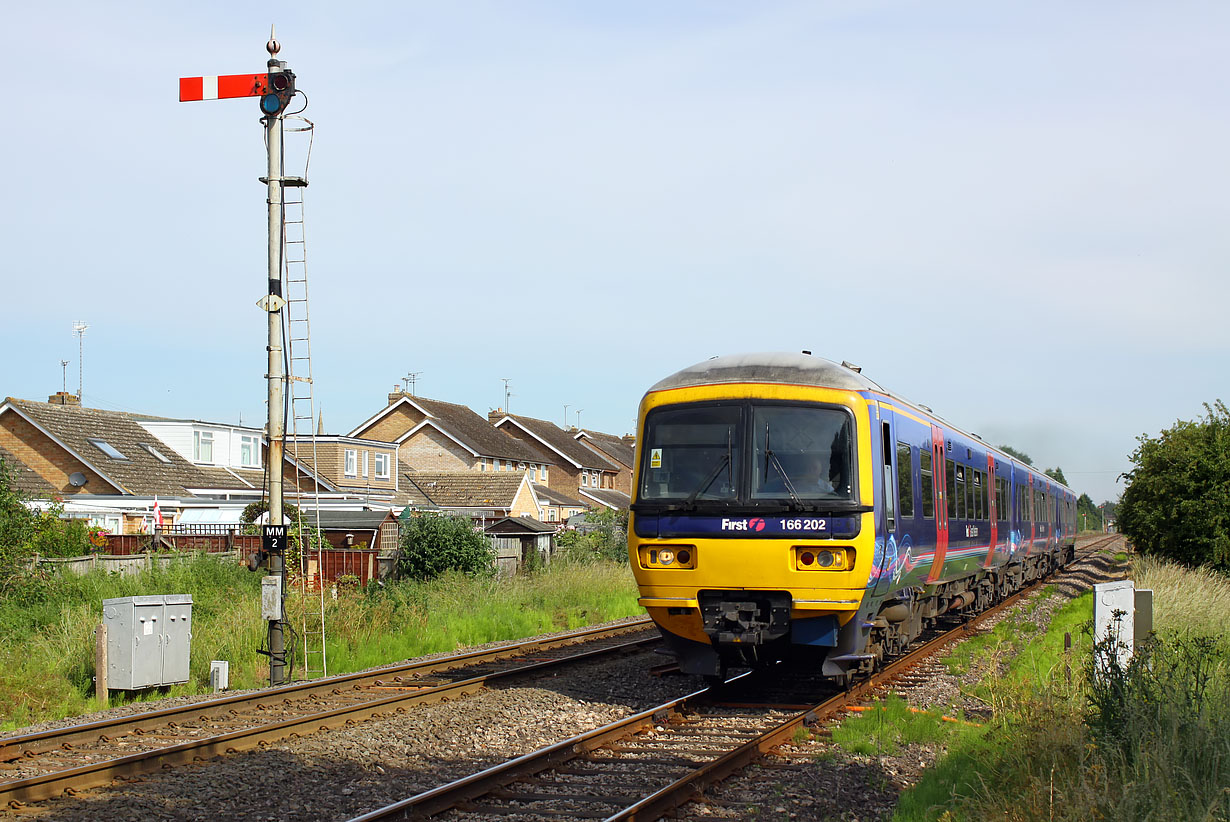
(608, 497)
(561, 442)
(610, 445)
(523, 526)
(336, 520)
(476, 433)
(551, 497)
(468, 489)
(25, 479)
(408, 495)
(141, 473)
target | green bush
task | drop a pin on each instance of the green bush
(1177, 502)
(603, 536)
(431, 545)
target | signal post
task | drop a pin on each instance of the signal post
(275, 88)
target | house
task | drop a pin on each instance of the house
(482, 496)
(607, 498)
(575, 466)
(111, 466)
(620, 451)
(349, 464)
(433, 435)
(557, 507)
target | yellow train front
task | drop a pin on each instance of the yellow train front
(785, 506)
(752, 535)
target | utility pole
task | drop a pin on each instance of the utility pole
(79, 327)
(275, 88)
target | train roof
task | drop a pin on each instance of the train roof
(771, 367)
(799, 369)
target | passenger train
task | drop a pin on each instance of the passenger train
(787, 506)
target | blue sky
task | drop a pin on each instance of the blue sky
(1012, 212)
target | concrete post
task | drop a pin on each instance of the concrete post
(100, 665)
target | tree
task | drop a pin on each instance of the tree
(1177, 502)
(1056, 474)
(603, 535)
(1021, 455)
(432, 544)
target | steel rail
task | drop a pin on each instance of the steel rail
(104, 730)
(45, 786)
(466, 789)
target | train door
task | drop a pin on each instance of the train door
(1032, 507)
(941, 503)
(887, 522)
(993, 512)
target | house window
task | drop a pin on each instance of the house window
(542, 473)
(382, 466)
(497, 463)
(203, 446)
(154, 452)
(365, 456)
(482, 464)
(550, 515)
(351, 467)
(108, 449)
(249, 453)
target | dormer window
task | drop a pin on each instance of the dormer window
(155, 453)
(203, 446)
(249, 451)
(108, 449)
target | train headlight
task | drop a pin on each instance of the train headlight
(811, 558)
(661, 557)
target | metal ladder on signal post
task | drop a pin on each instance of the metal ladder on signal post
(297, 328)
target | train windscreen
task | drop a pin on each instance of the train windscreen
(801, 453)
(797, 453)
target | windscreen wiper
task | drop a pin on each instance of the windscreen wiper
(725, 462)
(771, 458)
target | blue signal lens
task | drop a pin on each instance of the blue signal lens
(271, 103)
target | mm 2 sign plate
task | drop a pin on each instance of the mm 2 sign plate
(273, 539)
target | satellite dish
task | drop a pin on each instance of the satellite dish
(76, 479)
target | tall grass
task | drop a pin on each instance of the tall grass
(1149, 743)
(47, 658)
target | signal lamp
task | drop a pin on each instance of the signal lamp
(826, 559)
(666, 557)
(685, 557)
(806, 558)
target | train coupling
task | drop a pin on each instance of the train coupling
(745, 617)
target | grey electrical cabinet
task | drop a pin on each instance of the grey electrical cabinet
(149, 640)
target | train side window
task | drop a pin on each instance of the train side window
(951, 483)
(976, 508)
(984, 494)
(961, 492)
(927, 483)
(1001, 498)
(905, 481)
(889, 491)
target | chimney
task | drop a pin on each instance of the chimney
(495, 416)
(630, 439)
(396, 395)
(64, 398)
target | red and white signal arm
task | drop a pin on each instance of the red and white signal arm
(223, 86)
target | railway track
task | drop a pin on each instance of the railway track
(46, 764)
(647, 764)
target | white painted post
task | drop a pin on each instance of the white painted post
(1114, 615)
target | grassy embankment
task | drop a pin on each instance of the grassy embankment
(1152, 744)
(47, 659)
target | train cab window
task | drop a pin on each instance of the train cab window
(905, 481)
(803, 452)
(927, 482)
(951, 487)
(692, 453)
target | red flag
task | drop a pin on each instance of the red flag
(157, 513)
